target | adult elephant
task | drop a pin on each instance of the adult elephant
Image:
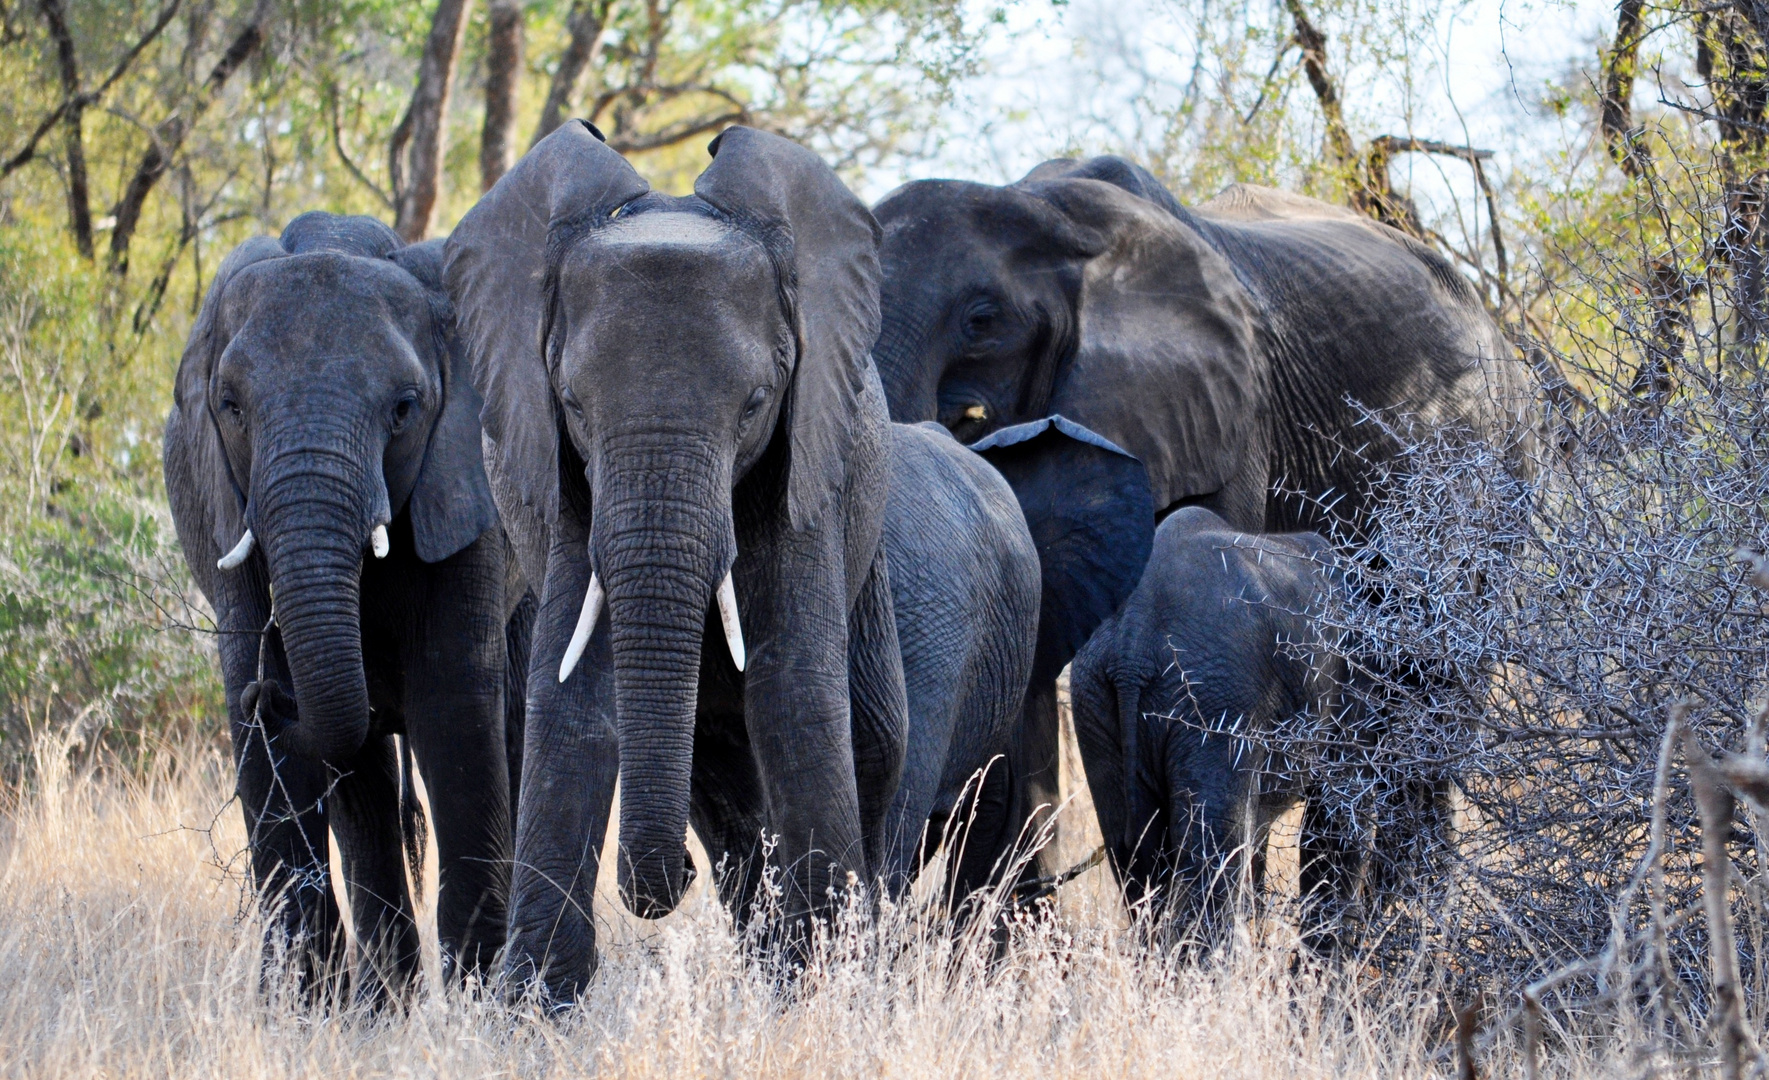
(1235, 350)
(323, 411)
(687, 436)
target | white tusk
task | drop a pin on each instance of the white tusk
(586, 624)
(238, 554)
(728, 616)
(378, 541)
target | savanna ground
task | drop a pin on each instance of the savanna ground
(1555, 651)
(131, 949)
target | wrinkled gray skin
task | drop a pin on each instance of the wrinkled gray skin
(1217, 644)
(322, 393)
(1219, 345)
(676, 388)
(965, 586)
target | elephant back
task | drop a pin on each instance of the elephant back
(1359, 318)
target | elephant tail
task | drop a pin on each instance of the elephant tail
(414, 829)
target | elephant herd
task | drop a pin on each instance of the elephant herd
(786, 514)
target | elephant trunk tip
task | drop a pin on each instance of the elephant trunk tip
(650, 888)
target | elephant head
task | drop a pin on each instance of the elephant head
(321, 396)
(642, 355)
(1070, 293)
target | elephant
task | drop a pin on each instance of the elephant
(966, 588)
(1237, 349)
(1219, 643)
(322, 410)
(688, 442)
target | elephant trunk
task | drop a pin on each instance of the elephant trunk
(662, 541)
(313, 522)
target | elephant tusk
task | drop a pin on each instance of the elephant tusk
(586, 624)
(238, 554)
(728, 616)
(976, 412)
(378, 541)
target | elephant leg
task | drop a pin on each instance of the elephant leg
(454, 704)
(570, 762)
(726, 808)
(1037, 789)
(980, 835)
(1202, 778)
(795, 706)
(365, 819)
(1331, 876)
(518, 642)
(283, 800)
(878, 708)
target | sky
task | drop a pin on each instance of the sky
(1082, 76)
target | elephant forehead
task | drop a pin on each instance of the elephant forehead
(685, 256)
(677, 229)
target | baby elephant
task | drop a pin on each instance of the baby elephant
(1171, 696)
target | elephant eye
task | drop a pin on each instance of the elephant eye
(231, 407)
(757, 398)
(980, 319)
(403, 409)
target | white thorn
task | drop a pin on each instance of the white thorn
(586, 624)
(238, 554)
(728, 616)
(378, 541)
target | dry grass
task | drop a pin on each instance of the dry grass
(127, 951)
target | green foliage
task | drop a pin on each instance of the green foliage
(96, 610)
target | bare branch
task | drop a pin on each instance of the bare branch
(173, 130)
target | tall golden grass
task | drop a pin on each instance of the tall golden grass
(129, 947)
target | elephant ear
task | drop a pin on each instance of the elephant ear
(1088, 506)
(204, 459)
(450, 504)
(1167, 361)
(495, 269)
(828, 241)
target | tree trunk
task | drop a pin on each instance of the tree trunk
(1314, 65)
(1619, 68)
(73, 113)
(417, 142)
(588, 19)
(503, 78)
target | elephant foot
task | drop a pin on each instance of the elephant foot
(548, 971)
